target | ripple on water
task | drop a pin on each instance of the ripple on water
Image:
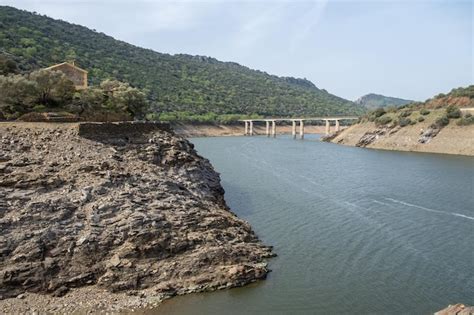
(356, 231)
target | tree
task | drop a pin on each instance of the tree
(133, 101)
(17, 95)
(121, 97)
(53, 88)
(87, 100)
(7, 66)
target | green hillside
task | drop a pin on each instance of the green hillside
(373, 101)
(175, 83)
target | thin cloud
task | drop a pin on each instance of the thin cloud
(307, 24)
(256, 24)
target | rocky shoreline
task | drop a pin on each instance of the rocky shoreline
(111, 217)
(452, 139)
(456, 309)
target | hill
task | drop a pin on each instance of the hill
(176, 83)
(442, 124)
(373, 101)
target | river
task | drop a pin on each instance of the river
(356, 230)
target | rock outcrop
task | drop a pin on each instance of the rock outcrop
(421, 137)
(124, 207)
(428, 134)
(371, 136)
(456, 309)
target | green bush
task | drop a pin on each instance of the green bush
(402, 122)
(463, 92)
(453, 112)
(383, 120)
(467, 120)
(39, 108)
(441, 122)
(378, 112)
(405, 113)
(421, 118)
(424, 112)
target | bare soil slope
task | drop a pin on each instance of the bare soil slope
(443, 124)
(452, 139)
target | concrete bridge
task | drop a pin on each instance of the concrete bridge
(272, 131)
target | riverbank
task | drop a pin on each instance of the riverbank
(110, 217)
(451, 139)
(341, 220)
(456, 309)
(442, 124)
(209, 130)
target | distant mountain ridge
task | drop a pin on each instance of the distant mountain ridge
(372, 101)
(176, 83)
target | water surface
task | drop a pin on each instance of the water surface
(356, 231)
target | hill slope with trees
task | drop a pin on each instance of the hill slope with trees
(373, 101)
(442, 124)
(175, 83)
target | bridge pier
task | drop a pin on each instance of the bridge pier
(301, 129)
(270, 130)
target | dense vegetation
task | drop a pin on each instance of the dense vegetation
(442, 107)
(458, 92)
(45, 90)
(373, 101)
(176, 85)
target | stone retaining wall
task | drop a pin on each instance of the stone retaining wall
(118, 129)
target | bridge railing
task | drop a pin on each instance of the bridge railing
(272, 131)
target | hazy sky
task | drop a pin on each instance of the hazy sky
(409, 49)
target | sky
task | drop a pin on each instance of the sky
(412, 49)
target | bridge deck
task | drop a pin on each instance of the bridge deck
(304, 119)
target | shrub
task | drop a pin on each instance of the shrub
(466, 92)
(441, 122)
(383, 120)
(39, 108)
(379, 112)
(405, 113)
(424, 111)
(421, 118)
(467, 120)
(412, 122)
(453, 111)
(402, 122)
